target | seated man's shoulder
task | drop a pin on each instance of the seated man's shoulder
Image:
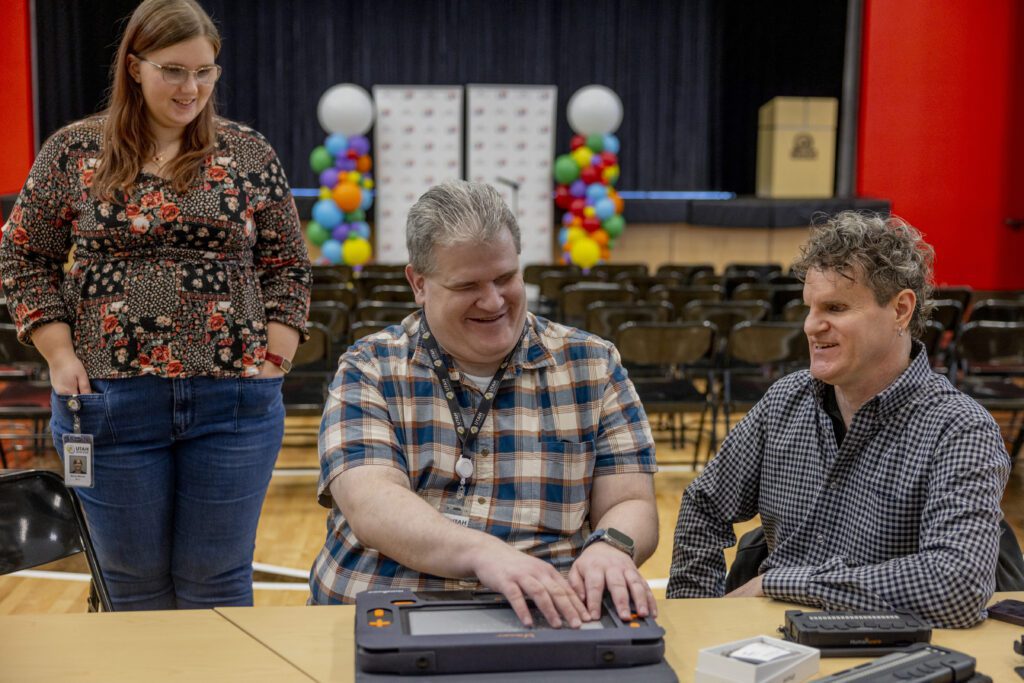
(940, 403)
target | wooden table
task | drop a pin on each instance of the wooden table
(315, 643)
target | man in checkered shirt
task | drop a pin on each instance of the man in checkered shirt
(878, 484)
(559, 502)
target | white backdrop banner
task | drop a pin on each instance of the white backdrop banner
(511, 144)
(417, 144)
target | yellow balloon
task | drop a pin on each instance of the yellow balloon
(589, 211)
(574, 234)
(611, 174)
(354, 176)
(582, 156)
(585, 252)
(325, 193)
(368, 183)
(356, 252)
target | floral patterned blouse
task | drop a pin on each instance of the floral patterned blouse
(162, 283)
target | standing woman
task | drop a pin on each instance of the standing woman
(188, 293)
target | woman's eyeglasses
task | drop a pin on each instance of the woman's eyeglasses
(176, 75)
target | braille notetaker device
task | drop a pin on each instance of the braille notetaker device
(406, 632)
(919, 663)
(855, 634)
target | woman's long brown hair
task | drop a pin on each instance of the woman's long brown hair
(154, 25)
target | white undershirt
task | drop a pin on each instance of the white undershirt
(481, 382)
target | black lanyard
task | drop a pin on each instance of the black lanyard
(464, 466)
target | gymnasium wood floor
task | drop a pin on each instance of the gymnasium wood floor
(292, 529)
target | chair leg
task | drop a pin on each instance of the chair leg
(700, 435)
(3, 455)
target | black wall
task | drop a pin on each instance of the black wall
(691, 73)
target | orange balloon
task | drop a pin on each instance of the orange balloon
(617, 200)
(605, 253)
(601, 237)
(364, 163)
(347, 196)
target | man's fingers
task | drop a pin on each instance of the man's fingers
(639, 590)
(619, 591)
(566, 601)
(576, 583)
(518, 604)
(595, 592)
(539, 594)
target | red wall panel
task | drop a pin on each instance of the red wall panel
(935, 129)
(16, 85)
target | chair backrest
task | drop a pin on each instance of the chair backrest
(317, 352)
(795, 311)
(763, 271)
(374, 269)
(392, 293)
(365, 328)
(680, 296)
(532, 273)
(725, 314)
(931, 337)
(780, 279)
(752, 291)
(604, 318)
(761, 343)
(998, 309)
(644, 283)
(987, 345)
(327, 274)
(961, 294)
(611, 271)
(666, 344)
(389, 311)
(685, 272)
(42, 523)
(574, 299)
(553, 281)
(949, 313)
(332, 315)
(365, 283)
(336, 291)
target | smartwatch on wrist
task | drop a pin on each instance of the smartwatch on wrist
(279, 361)
(614, 538)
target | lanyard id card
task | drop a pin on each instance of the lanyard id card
(78, 463)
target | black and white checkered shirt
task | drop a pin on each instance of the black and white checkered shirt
(905, 514)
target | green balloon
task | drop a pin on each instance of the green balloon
(595, 143)
(320, 159)
(614, 226)
(566, 169)
(316, 233)
(355, 216)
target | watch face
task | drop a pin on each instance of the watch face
(620, 537)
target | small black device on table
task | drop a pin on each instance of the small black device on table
(1010, 611)
(407, 632)
(855, 634)
(919, 663)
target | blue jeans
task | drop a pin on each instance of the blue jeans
(181, 469)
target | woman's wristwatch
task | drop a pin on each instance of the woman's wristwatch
(279, 361)
(612, 537)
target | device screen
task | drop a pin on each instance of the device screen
(450, 621)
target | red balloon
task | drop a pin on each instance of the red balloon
(577, 141)
(590, 175)
(351, 154)
(609, 158)
(562, 197)
(591, 223)
(577, 205)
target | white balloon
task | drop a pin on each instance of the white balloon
(345, 109)
(594, 110)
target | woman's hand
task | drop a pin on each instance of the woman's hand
(68, 376)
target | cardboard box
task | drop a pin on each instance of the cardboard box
(796, 147)
(715, 666)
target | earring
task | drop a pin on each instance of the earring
(899, 331)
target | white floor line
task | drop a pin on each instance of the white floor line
(59, 576)
(281, 571)
(296, 472)
(675, 468)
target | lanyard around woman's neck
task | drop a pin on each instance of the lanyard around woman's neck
(464, 465)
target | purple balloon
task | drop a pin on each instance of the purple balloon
(340, 232)
(347, 164)
(578, 188)
(339, 163)
(567, 218)
(359, 144)
(329, 178)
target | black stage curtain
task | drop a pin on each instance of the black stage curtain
(691, 73)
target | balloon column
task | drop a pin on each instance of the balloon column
(343, 164)
(586, 177)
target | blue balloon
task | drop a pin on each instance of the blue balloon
(596, 191)
(611, 144)
(327, 213)
(331, 250)
(604, 208)
(336, 144)
(367, 201)
(362, 229)
(563, 234)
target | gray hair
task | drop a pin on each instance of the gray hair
(892, 254)
(456, 211)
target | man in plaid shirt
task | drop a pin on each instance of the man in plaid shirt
(547, 493)
(877, 482)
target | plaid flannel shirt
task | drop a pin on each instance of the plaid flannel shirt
(565, 413)
(904, 514)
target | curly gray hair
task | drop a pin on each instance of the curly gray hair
(455, 212)
(891, 253)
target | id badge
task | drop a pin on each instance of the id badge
(456, 513)
(78, 462)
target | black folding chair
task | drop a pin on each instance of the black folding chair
(604, 317)
(611, 271)
(42, 523)
(574, 299)
(680, 296)
(991, 356)
(340, 292)
(533, 272)
(758, 354)
(684, 272)
(393, 311)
